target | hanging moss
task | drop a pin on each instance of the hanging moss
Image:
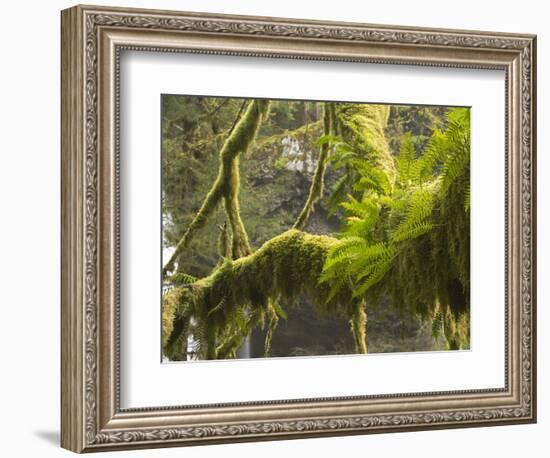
(358, 323)
(175, 327)
(226, 185)
(170, 303)
(273, 320)
(432, 274)
(411, 241)
(287, 267)
(457, 329)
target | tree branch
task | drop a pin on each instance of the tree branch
(287, 266)
(317, 182)
(227, 182)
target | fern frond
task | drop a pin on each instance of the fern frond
(341, 256)
(371, 178)
(338, 194)
(424, 167)
(414, 223)
(458, 138)
(405, 160)
(361, 227)
(366, 208)
(337, 283)
(370, 258)
(241, 319)
(454, 166)
(375, 274)
(412, 232)
(342, 155)
(279, 310)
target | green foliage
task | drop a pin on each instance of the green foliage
(416, 218)
(418, 121)
(179, 279)
(411, 240)
(175, 325)
(406, 160)
(457, 147)
(437, 324)
(290, 115)
(397, 239)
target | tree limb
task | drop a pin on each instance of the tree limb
(227, 182)
(287, 266)
(317, 182)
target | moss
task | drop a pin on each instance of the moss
(225, 242)
(456, 327)
(240, 243)
(175, 326)
(362, 126)
(286, 267)
(358, 324)
(170, 303)
(273, 320)
(317, 183)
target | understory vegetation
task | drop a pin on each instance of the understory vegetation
(287, 223)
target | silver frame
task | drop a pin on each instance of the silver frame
(92, 40)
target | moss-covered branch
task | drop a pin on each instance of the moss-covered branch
(287, 267)
(240, 244)
(226, 185)
(362, 127)
(317, 182)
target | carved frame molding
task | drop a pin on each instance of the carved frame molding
(92, 39)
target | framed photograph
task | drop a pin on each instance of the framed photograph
(279, 228)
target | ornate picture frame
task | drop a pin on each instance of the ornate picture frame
(92, 41)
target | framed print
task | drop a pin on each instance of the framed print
(277, 228)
